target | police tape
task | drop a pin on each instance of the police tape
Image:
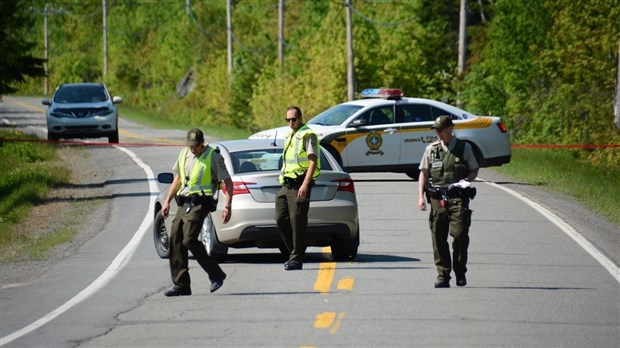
(562, 146)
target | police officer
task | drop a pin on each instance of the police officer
(447, 161)
(300, 166)
(199, 169)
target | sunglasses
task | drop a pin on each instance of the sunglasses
(291, 119)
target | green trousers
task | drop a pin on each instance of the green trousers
(292, 220)
(183, 237)
(452, 219)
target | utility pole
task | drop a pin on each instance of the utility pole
(281, 32)
(229, 31)
(462, 49)
(105, 39)
(617, 98)
(46, 12)
(350, 62)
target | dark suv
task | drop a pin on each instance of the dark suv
(82, 110)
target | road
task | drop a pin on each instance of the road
(533, 279)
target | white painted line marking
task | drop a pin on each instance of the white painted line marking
(117, 264)
(611, 267)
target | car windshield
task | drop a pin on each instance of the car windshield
(80, 94)
(335, 116)
(264, 160)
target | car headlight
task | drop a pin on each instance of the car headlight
(61, 114)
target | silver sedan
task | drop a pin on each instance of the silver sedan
(254, 165)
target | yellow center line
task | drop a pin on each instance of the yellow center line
(325, 276)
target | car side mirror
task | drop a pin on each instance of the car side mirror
(165, 178)
(46, 102)
(117, 100)
(358, 122)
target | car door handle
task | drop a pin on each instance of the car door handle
(390, 130)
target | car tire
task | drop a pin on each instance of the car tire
(209, 239)
(51, 137)
(413, 174)
(161, 237)
(345, 251)
(113, 139)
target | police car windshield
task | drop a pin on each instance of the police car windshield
(335, 116)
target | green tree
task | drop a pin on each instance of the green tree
(17, 60)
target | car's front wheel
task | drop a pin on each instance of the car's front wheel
(113, 139)
(161, 237)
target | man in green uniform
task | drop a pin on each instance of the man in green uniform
(448, 161)
(300, 166)
(199, 169)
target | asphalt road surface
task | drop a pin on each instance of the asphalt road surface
(535, 279)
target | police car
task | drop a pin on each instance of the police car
(386, 132)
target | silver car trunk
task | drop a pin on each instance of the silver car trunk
(265, 186)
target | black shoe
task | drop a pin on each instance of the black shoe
(174, 291)
(217, 283)
(441, 283)
(461, 280)
(292, 265)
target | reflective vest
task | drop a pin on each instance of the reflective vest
(200, 178)
(448, 167)
(295, 158)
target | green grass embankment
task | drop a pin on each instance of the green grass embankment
(569, 171)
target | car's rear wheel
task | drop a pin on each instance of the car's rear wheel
(160, 236)
(209, 239)
(345, 251)
(51, 137)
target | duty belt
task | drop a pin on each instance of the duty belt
(193, 199)
(454, 192)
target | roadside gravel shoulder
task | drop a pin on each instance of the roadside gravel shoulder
(70, 207)
(599, 231)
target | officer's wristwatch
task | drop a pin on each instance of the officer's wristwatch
(229, 207)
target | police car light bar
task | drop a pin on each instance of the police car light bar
(385, 93)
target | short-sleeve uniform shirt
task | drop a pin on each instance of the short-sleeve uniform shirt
(468, 155)
(218, 168)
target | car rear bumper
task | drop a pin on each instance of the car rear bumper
(326, 222)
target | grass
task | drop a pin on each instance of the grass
(569, 172)
(29, 170)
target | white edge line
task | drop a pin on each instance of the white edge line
(117, 264)
(611, 267)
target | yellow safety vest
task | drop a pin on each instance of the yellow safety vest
(200, 178)
(295, 158)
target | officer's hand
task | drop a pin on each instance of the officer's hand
(226, 213)
(302, 193)
(165, 209)
(422, 203)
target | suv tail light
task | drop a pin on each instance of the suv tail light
(345, 185)
(502, 127)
